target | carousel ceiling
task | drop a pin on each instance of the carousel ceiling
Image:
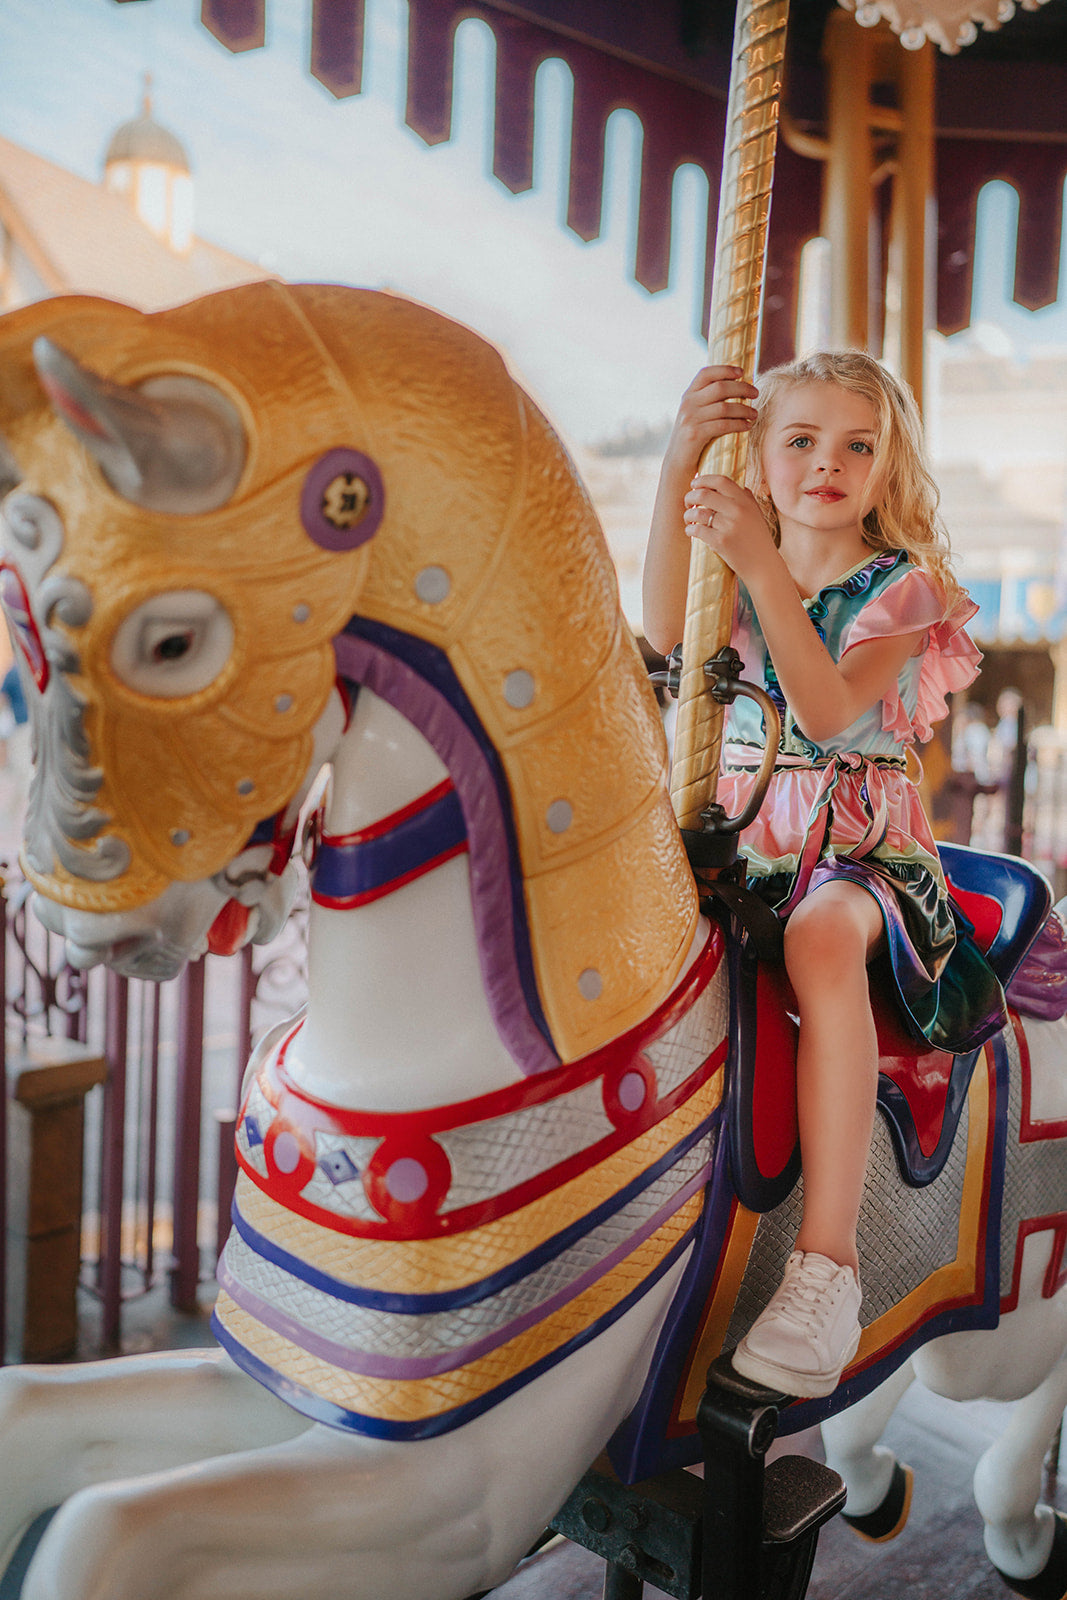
(1001, 112)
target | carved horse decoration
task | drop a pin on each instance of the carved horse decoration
(510, 1182)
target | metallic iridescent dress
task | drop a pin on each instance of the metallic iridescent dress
(846, 807)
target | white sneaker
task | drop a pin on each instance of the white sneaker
(808, 1333)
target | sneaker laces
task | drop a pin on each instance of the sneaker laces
(806, 1291)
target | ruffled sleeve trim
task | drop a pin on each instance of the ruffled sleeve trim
(950, 660)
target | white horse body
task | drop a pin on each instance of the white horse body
(1022, 1359)
(181, 682)
(158, 1456)
(401, 979)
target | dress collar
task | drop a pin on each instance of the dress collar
(860, 577)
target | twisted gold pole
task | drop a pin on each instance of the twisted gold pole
(740, 247)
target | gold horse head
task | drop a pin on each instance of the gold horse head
(207, 495)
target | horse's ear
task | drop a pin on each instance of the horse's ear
(9, 468)
(173, 443)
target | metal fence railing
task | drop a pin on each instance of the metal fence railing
(158, 1164)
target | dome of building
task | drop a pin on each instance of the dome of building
(148, 167)
(144, 139)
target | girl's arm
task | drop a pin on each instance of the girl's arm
(825, 697)
(714, 404)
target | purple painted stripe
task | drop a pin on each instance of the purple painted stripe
(426, 708)
(362, 868)
(379, 1366)
(319, 1409)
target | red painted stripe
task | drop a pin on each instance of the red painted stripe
(464, 1218)
(535, 1090)
(306, 1115)
(1055, 1276)
(1032, 1131)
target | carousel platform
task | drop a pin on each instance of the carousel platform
(939, 1553)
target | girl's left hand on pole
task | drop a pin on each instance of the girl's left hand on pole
(727, 518)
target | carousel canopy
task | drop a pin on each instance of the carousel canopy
(952, 24)
(1000, 112)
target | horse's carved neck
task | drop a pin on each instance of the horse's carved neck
(397, 1016)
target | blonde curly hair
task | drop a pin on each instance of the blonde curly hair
(905, 514)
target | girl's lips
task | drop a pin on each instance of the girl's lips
(824, 494)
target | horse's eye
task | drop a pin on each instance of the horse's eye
(173, 645)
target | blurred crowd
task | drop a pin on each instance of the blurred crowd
(984, 751)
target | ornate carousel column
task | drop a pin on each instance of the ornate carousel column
(740, 247)
(871, 144)
(868, 143)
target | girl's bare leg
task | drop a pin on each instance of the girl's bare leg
(806, 1335)
(829, 939)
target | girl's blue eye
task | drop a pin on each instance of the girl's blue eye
(801, 441)
(861, 447)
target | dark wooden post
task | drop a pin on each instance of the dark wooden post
(48, 1080)
(113, 1158)
(185, 1273)
(1015, 803)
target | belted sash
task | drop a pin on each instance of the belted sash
(831, 769)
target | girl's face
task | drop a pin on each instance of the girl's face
(817, 456)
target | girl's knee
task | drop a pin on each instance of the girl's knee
(821, 961)
(826, 937)
(824, 924)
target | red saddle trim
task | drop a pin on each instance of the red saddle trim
(539, 1090)
(1031, 1128)
(774, 1099)
(922, 1076)
(986, 913)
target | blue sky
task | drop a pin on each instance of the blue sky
(317, 188)
(998, 221)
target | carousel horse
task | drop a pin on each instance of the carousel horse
(526, 1162)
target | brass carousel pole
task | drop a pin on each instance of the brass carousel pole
(740, 247)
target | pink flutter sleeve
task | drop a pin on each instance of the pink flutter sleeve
(950, 661)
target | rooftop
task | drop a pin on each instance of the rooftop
(84, 239)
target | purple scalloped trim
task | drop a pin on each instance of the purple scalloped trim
(1039, 987)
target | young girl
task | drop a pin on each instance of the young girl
(848, 614)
